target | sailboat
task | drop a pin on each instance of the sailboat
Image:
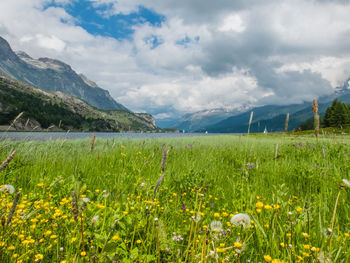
(265, 131)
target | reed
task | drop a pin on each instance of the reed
(316, 117)
(250, 121)
(75, 208)
(15, 120)
(7, 161)
(286, 124)
(92, 144)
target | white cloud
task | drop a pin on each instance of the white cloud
(207, 54)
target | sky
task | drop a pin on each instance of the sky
(169, 58)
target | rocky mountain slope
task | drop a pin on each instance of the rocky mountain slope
(53, 75)
(58, 111)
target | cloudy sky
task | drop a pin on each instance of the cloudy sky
(171, 57)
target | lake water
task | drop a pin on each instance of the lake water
(45, 136)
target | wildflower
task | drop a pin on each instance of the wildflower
(299, 209)
(38, 257)
(237, 244)
(306, 235)
(7, 188)
(139, 241)
(267, 207)
(48, 233)
(323, 259)
(11, 248)
(216, 226)
(40, 184)
(83, 254)
(115, 238)
(94, 220)
(85, 200)
(282, 245)
(177, 238)
(241, 219)
(306, 247)
(216, 214)
(346, 234)
(346, 182)
(259, 205)
(267, 258)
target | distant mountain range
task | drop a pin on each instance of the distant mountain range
(270, 116)
(53, 75)
(58, 111)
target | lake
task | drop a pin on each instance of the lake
(46, 136)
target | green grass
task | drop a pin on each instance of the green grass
(215, 177)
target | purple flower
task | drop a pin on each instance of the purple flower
(183, 207)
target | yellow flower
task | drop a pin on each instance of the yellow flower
(38, 257)
(73, 239)
(346, 234)
(53, 236)
(259, 205)
(267, 258)
(288, 235)
(307, 247)
(125, 212)
(238, 245)
(306, 255)
(11, 248)
(216, 214)
(299, 209)
(48, 233)
(83, 254)
(306, 235)
(220, 250)
(267, 207)
(258, 210)
(115, 238)
(40, 185)
(139, 241)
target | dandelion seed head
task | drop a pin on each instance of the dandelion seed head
(240, 220)
(7, 188)
(216, 226)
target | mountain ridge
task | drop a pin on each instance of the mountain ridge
(53, 109)
(53, 75)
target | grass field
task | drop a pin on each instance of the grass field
(221, 199)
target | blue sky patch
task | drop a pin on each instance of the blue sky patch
(117, 26)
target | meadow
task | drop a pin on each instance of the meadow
(199, 199)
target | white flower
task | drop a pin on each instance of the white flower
(323, 259)
(216, 226)
(85, 200)
(241, 220)
(177, 238)
(95, 219)
(346, 182)
(105, 194)
(197, 218)
(7, 188)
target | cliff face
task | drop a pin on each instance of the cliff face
(53, 75)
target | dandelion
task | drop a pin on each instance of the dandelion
(346, 182)
(83, 254)
(94, 220)
(216, 226)
(38, 257)
(85, 200)
(139, 241)
(240, 219)
(267, 258)
(115, 238)
(7, 188)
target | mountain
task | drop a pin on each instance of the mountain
(199, 120)
(53, 75)
(58, 111)
(273, 116)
